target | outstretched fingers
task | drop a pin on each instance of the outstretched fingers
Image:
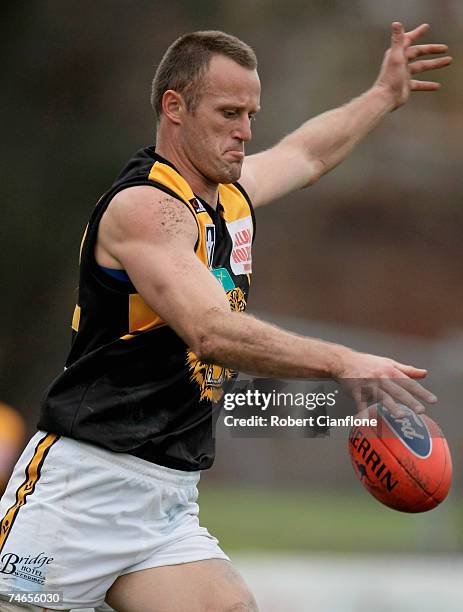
(431, 64)
(424, 85)
(408, 392)
(409, 370)
(389, 393)
(414, 51)
(393, 393)
(397, 36)
(430, 49)
(424, 66)
(410, 37)
(396, 411)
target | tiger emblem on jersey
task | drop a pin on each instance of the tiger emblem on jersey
(237, 300)
(210, 377)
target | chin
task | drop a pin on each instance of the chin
(231, 174)
(223, 173)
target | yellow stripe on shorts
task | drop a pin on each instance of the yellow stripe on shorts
(27, 487)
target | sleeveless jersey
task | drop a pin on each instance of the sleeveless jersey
(131, 384)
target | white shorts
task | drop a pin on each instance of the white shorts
(74, 517)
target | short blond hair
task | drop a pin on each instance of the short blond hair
(186, 61)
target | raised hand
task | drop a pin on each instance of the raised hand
(398, 69)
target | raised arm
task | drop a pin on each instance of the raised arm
(323, 142)
(152, 237)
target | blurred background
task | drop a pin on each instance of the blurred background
(371, 256)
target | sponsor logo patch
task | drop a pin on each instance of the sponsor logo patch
(411, 430)
(29, 567)
(241, 234)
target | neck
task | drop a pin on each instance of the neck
(201, 186)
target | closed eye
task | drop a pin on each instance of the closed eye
(229, 113)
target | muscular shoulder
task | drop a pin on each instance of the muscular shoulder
(141, 210)
(143, 214)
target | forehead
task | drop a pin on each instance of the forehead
(227, 80)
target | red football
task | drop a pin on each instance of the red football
(404, 462)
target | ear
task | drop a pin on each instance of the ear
(173, 106)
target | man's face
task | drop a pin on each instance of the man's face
(214, 134)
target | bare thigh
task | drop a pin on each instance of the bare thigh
(201, 586)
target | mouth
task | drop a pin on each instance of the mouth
(238, 154)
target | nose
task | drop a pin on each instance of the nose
(243, 129)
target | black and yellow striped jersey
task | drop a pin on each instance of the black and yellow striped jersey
(131, 384)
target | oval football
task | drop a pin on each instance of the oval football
(405, 463)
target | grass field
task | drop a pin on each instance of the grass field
(257, 519)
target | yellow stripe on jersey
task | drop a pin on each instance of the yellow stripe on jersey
(234, 203)
(140, 314)
(167, 176)
(170, 178)
(76, 318)
(141, 330)
(27, 487)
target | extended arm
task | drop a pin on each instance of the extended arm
(323, 142)
(152, 237)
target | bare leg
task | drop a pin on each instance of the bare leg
(202, 586)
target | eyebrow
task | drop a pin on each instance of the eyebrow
(238, 106)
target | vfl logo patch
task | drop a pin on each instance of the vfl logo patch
(197, 205)
(411, 430)
(210, 243)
